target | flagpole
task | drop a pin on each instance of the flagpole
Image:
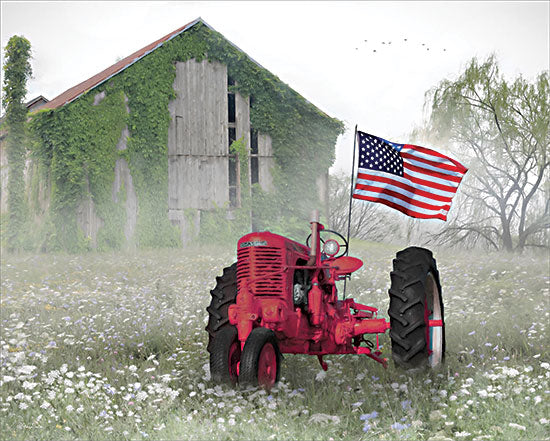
(351, 196)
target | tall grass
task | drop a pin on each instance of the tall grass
(112, 346)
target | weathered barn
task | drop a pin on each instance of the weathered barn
(186, 132)
(33, 105)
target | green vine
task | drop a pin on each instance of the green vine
(76, 144)
(17, 70)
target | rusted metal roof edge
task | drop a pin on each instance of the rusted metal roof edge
(187, 27)
(190, 25)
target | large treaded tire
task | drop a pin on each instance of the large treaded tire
(223, 296)
(251, 360)
(415, 289)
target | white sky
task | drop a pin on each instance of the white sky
(311, 46)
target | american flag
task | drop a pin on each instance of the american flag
(417, 181)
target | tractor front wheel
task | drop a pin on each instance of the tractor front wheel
(225, 355)
(261, 359)
(416, 310)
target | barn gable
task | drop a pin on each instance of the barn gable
(177, 138)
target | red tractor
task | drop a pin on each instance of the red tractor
(281, 297)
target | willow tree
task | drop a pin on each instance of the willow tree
(500, 130)
(17, 70)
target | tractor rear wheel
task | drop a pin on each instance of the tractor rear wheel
(225, 356)
(260, 359)
(416, 310)
(223, 296)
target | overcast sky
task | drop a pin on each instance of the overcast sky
(323, 50)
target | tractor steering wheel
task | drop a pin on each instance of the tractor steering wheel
(343, 245)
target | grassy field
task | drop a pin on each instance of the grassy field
(112, 346)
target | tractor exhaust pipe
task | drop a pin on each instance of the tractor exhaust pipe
(314, 237)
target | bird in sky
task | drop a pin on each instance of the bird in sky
(405, 39)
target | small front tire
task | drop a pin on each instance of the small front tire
(261, 359)
(225, 356)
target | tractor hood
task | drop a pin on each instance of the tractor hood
(271, 240)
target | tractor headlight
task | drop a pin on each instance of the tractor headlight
(331, 247)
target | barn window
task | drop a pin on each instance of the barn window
(232, 135)
(254, 168)
(254, 174)
(233, 163)
(253, 142)
(231, 107)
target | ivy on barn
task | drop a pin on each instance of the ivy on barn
(17, 70)
(76, 143)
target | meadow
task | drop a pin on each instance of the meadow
(112, 346)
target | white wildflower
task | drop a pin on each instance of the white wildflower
(29, 385)
(45, 405)
(26, 370)
(320, 376)
(516, 426)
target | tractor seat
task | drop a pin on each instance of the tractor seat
(346, 265)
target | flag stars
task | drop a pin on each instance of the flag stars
(380, 155)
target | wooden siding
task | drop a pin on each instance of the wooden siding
(87, 218)
(197, 138)
(3, 176)
(265, 162)
(123, 178)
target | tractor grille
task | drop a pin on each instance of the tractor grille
(265, 264)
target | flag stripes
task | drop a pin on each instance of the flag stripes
(415, 180)
(400, 207)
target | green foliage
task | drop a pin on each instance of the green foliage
(500, 130)
(17, 70)
(76, 143)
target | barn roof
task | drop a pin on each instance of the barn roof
(74, 92)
